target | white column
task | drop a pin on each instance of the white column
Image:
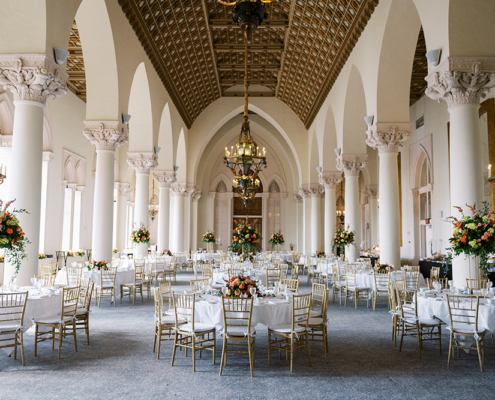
(330, 180)
(142, 163)
(164, 179)
(351, 165)
(194, 220)
(305, 193)
(123, 190)
(387, 138)
(264, 213)
(31, 78)
(211, 206)
(462, 82)
(299, 246)
(316, 194)
(106, 136)
(186, 239)
(177, 194)
(230, 196)
(371, 192)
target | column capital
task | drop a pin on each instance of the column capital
(5, 140)
(330, 180)
(123, 188)
(81, 189)
(105, 135)
(48, 156)
(388, 137)
(190, 189)
(33, 77)
(371, 191)
(461, 80)
(351, 164)
(164, 178)
(178, 189)
(415, 192)
(298, 198)
(212, 195)
(316, 190)
(196, 196)
(303, 191)
(143, 162)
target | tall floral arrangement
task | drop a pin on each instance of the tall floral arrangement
(343, 238)
(12, 238)
(244, 236)
(141, 235)
(1, 258)
(276, 239)
(474, 236)
(209, 237)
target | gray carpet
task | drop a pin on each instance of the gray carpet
(362, 363)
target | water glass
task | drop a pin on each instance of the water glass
(252, 291)
(33, 281)
(224, 290)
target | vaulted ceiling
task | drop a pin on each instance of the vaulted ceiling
(295, 55)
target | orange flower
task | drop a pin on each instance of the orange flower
(459, 224)
(10, 231)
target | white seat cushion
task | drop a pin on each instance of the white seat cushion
(354, 287)
(465, 328)
(168, 319)
(81, 311)
(9, 328)
(105, 287)
(197, 327)
(382, 288)
(287, 328)
(51, 319)
(424, 321)
(239, 330)
(131, 284)
(315, 321)
(314, 313)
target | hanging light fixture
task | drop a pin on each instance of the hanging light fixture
(246, 159)
(3, 173)
(153, 208)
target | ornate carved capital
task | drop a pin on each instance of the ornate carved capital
(123, 188)
(387, 137)
(371, 191)
(143, 163)
(316, 190)
(304, 192)
(351, 164)
(330, 180)
(105, 135)
(48, 156)
(32, 77)
(461, 80)
(298, 198)
(164, 178)
(179, 189)
(196, 196)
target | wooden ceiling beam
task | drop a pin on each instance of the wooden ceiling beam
(76, 51)
(250, 94)
(77, 75)
(210, 41)
(228, 23)
(232, 82)
(251, 47)
(251, 67)
(286, 40)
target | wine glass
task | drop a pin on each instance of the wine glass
(224, 291)
(252, 291)
(33, 281)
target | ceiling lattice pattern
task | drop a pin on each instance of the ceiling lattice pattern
(419, 70)
(75, 65)
(296, 55)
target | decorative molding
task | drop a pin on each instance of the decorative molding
(352, 164)
(179, 189)
(298, 198)
(33, 77)
(330, 180)
(81, 188)
(371, 192)
(142, 163)
(415, 192)
(196, 196)
(48, 156)
(388, 137)
(123, 188)
(5, 140)
(105, 135)
(461, 80)
(164, 178)
(303, 192)
(316, 190)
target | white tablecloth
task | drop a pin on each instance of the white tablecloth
(206, 256)
(366, 279)
(272, 312)
(259, 274)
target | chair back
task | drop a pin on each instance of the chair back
(107, 276)
(158, 305)
(12, 308)
(165, 293)
(292, 284)
(139, 274)
(435, 272)
(84, 284)
(46, 270)
(301, 304)
(294, 271)
(237, 312)
(408, 305)
(197, 284)
(139, 262)
(70, 299)
(414, 268)
(284, 269)
(464, 310)
(412, 279)
(207, 272)
(381, 278)
(319, 297)
(350, 277)
(73, 274)
(272, 276)
(184, 309)
(235, 271)
(392, 295)
(476, 284)
(443, 281)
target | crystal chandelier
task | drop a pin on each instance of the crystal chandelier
(246, 160)
(153, 208)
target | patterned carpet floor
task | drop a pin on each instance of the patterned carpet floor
(362, 363)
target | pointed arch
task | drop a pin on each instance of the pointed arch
(69, 170)
(166, 140)
(314, 158)
(181, 160)
(330, 142)
(80, 174)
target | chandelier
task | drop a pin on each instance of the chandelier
(246, 160)
(153, 208)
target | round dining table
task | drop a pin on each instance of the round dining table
(220, 275)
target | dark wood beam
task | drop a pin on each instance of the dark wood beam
(250, 94)
(286, 40)
(77, 51)
(210, 41)
(251, 67)
(251, 47)
(228, 23)
(232, 82)
(77, 75)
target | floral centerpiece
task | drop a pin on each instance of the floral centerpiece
(247, 257)
(343, 238)
(99, 265)
(12, 238)
(276, 239)
(240, 285)
(79, 253)
(141, 235)
(1, 258)
(383, 268)
(115, 251)
(244, 237)
(209, 237)
(69, 254)
(166, 253)
(320, 254)
(474, 236)
(41, 256)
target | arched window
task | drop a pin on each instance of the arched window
(221, 187)
(425, 191)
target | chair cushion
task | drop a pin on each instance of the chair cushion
(315, 321)
(105, 286)
(424, 321)
(168, 319)
(239, 330)
(197, 327)
(9, 328)
(382, 288)
(51, 319)
(314, 313)
(286, 328)
(465, 328)
(81, 311)
(354, 287)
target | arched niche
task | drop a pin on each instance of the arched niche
(165, 141)
(181, 160)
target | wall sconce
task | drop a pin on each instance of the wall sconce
(369, 120)
(60, 55)
(433, 57)
(337, 151)
(319, 169)
(126, 118)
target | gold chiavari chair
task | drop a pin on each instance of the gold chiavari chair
(339, 284)
(48, 280)
(170, 271)
(164, 324)
(435, 272)
(236, 272)
(443, 281)
(294, 271)
(59, 323)
(294, 336)
(292, 284)
(312, 271)
(188, 333)
(258, 265)
(421, 329)
(395, 313)
(54, 267)
(404, 296)
(463, 316)
(73, 275)
(380, 291)
(412, 280)
(353, 290)
(46, 271)
(12, 308)
(197, 283)
(106, 288)
(207, 273)
(133, 288)
(476, 284)
(237, 313)
(83, 311)
(166, 296)
(272, 276)
(317, 325)
(157, 272)
(414, 268)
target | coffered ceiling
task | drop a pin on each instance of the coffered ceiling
(75, 65)
(295, 55)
